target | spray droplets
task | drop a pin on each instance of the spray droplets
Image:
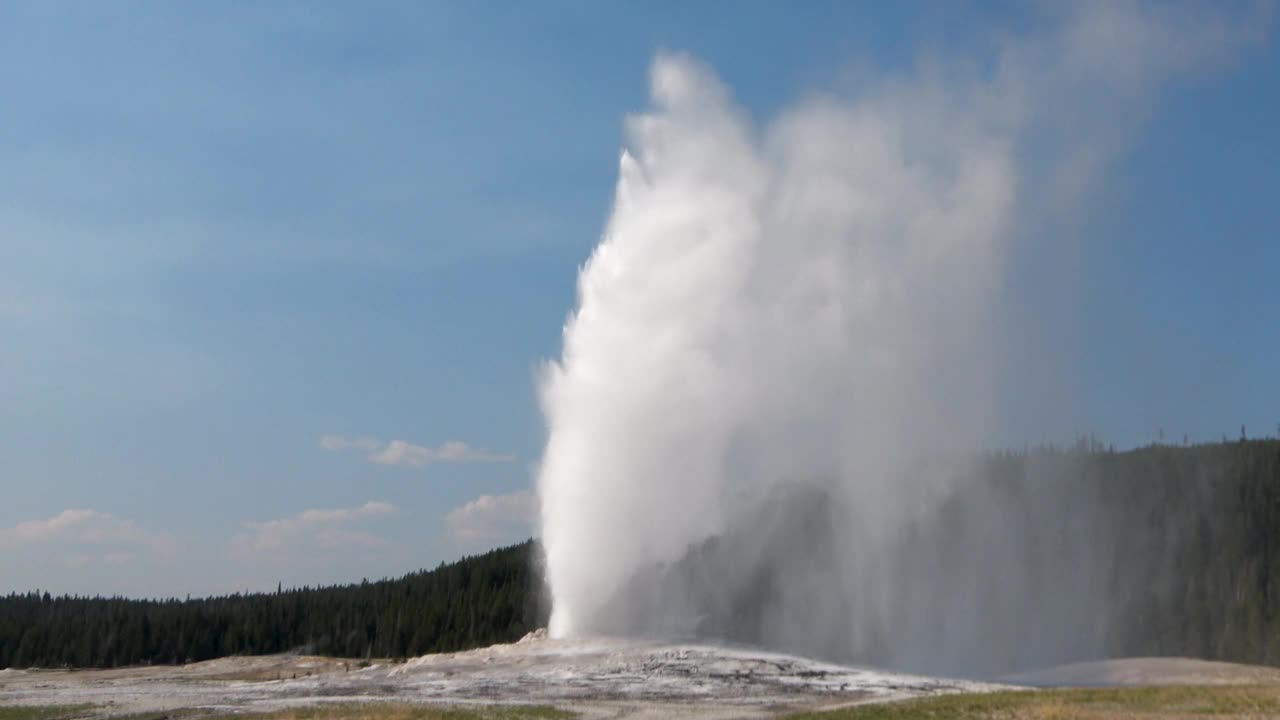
(780, 319)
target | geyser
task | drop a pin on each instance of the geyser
(789, 328)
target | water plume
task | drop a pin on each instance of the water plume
(789, 329)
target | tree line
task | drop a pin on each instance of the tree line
(994, 562)
(1162, 550)
(476, 601)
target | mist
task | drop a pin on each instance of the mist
(791, 338)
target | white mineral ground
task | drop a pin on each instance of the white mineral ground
(601, 678)
(595, 678)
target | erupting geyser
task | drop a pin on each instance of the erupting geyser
(764, 309)
(784, 323)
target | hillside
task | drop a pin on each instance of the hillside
(475, 601)
(1005, 562)
(1033, 558)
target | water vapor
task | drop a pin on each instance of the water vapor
(790, 328)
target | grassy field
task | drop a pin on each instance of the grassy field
(40, 713)
(1244, 701)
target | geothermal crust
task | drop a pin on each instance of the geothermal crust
(595, 677)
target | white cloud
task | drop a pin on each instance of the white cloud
(400, 452)
(320, 529)
(79, 527)
(493, 519)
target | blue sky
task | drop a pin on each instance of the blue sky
(244, 247)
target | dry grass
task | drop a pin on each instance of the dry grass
(43, 713)
(334, 711)
(397, 711)
(1185, 702)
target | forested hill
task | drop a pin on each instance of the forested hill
(1034, 558)
(477, 601)
(1010, 561)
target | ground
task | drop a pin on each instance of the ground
(1130, 703)
(610, 678)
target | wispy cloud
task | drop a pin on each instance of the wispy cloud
(318, 529)
(89, 535)
(400, 452)
(493, 519)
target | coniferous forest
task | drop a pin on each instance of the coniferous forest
(1162, 550)
(1165, 550)
(476, 601)
(1000, 562)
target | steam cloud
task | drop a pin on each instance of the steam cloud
(781, 319)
